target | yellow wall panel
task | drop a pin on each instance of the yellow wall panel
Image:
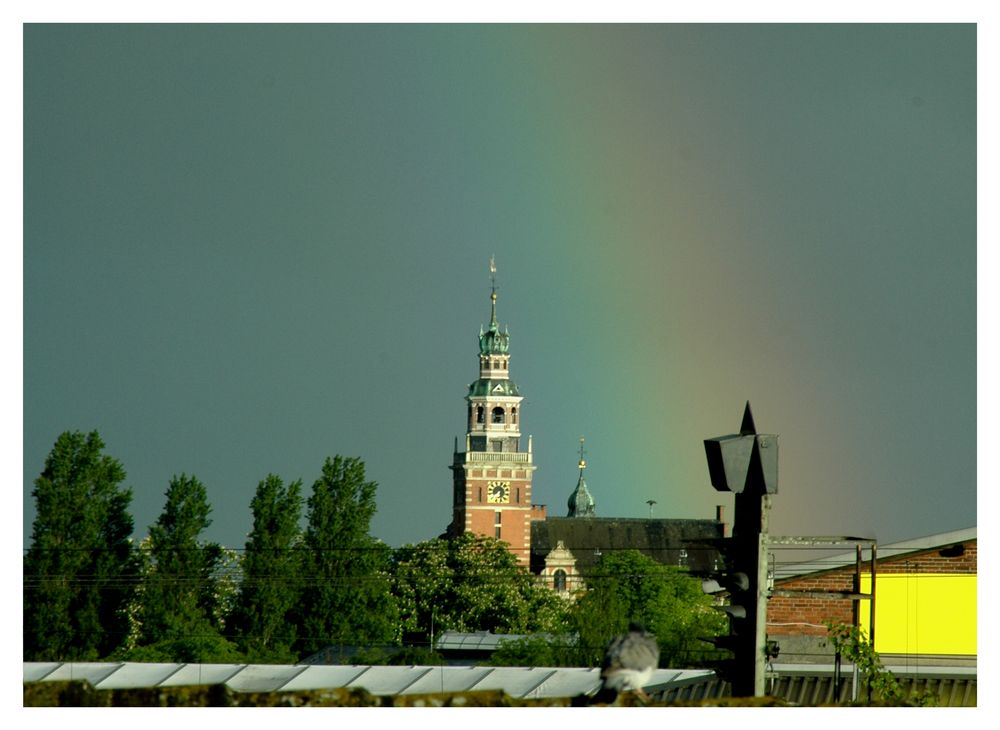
(928, 613)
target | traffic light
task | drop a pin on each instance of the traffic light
(736, 584)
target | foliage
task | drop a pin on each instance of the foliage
(536, 651)
(470, 583)
(628, 586)
(178, 615)
(417, 656)
(270, 587)
(346, 598)
(851, 643)
(80, 568)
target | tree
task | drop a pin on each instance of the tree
(270, 589)
(535, 651)
(346, 598)
(470, 583)
(80, 570)
(628, 586)
(177, 616)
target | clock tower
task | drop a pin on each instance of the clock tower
(492, 476)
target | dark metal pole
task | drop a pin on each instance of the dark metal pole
(871, 608)
(871, 615)
(760, 638)
(856, 616)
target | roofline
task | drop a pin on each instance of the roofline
(918, 544)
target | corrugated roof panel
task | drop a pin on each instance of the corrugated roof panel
(447, 679)
(135, 674)
(566, 682)
(263, 677)
(188, 674)
(324, 677)
(387, 680)
(93, 672)
(515, 681)
(37, 671)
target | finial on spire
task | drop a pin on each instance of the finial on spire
(493, 293)
(583, 463)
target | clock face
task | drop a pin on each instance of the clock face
(498, 492)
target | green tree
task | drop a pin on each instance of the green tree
(470, 583)
(178, 612)
(629, 586)
(536, 651)
(80, 570)
(270, 585)
(346, 598)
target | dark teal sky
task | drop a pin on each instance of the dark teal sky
(250, 247)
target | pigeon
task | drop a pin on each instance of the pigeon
(628, 664)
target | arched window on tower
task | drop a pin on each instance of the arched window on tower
(479, 414)
(513, 414)
(498, 415)
(559, 580)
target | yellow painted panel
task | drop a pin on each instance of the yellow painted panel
(922, 613)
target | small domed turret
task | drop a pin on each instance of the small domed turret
(580, 503)
(493, 341)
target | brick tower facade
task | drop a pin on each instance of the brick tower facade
(492, 476)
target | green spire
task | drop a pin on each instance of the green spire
(580, 503)
(493, 341)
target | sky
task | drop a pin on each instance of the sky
(247, 248)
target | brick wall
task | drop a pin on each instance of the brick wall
(932, 562)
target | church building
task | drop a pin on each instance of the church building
(492, 483)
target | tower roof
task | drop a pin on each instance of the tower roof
(580, 503)
(493, 341)
(487, 386)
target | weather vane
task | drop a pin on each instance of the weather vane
(493, 272)
(583, 463)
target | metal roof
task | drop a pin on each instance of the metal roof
(886, 551)
(485, 641)
(519, 682)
